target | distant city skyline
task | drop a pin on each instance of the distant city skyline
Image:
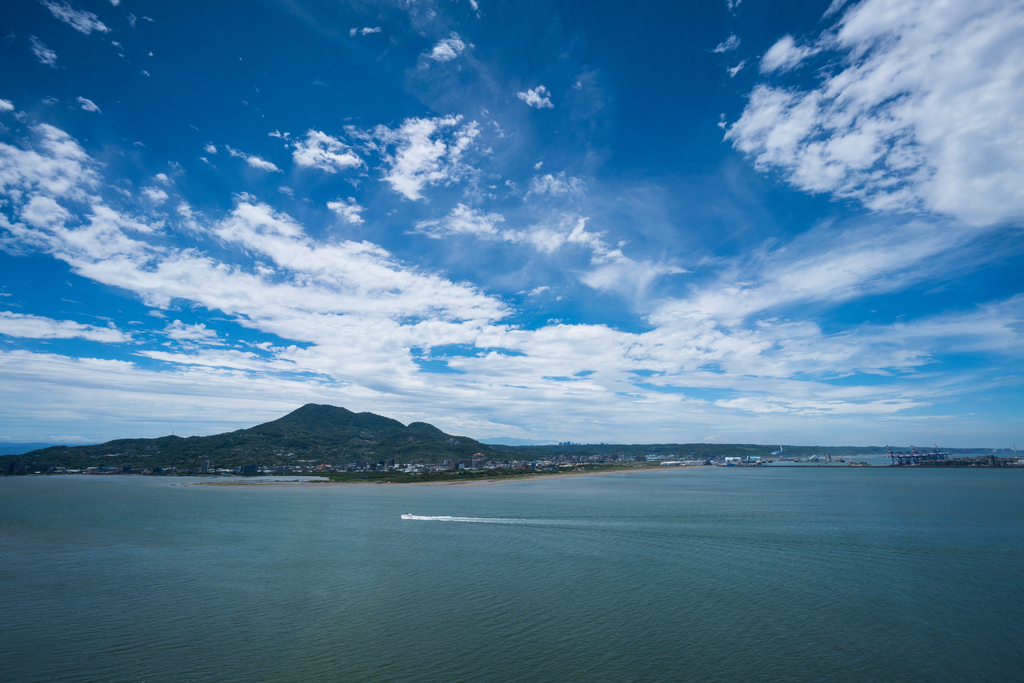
(717, 221)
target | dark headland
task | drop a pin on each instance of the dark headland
(324, 437)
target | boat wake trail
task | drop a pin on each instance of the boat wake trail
(473, 520)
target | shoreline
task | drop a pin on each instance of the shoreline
(482, 482)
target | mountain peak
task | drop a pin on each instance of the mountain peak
(324, 433)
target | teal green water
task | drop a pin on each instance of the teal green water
(712, 574)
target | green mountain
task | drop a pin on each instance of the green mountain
(313, 434)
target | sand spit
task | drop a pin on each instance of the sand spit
(257, 483)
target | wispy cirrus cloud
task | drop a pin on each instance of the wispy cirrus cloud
(827, 266)
(917, 115)
(333, 290)
(786, 55)
(253, 160)
(569, 308)
(611, 270)
(728, 45)
(39, 327)
(44, 54)
(462, 221)
(88, 105)
(352, 313)
(80, 20)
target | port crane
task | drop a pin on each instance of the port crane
(915, 457)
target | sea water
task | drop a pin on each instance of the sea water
(700, 574)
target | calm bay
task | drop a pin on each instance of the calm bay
(703, 574)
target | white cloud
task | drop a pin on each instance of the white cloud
(538, 98)
(344, 278)
(88, 105)
(38, 327)
(41, 212)
(827, 265)
(221, 358)
(537, 291)
(155, 194)
(55, 166)
(736, 69)
(6, 105)
(628, 278)
(105, 389)
(785, 55)
(834, 7)
(324, 152)
(426, 153)
(463, 221)
(611, 270)
(447, 49)
(571, 230)
(351, 312)
(44, 54)
(349, 210)
(253, 160)
(560, 185)
(210, 149)
(81, 21)
(332, 290)
(180, 331)
(922, 114)
(367, 30)
(727, 45)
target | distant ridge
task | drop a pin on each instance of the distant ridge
(314, 433)
(19, 448)
(513, 441)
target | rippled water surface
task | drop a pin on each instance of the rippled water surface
(710, 574)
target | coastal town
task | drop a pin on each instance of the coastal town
(479, 462)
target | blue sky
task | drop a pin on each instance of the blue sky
(726, 221)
